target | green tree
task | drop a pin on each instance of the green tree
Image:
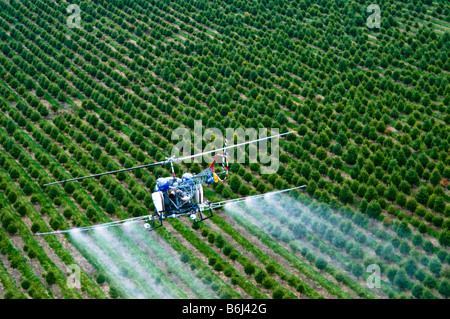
(110, 208)
(346, 195)
(220, 241)
(227, 250)
(410, 266)
(235, 183)
(439, 204)
(212, 261)
(401, 280)
(11, 228)
(211, 238)
(412, 177)
(268, 283)
(417, 291)
(390, 193)
(444, 238)
(430, 282)
(444, 289)
(118, 193)
(218, 267)
(243, 190)
(351, 155)
(50, 278)
(100, 279)
(35, 228)
(270, 268)
(427, 294)
(113, 292)
(185, 258)
(373, 209)
(249, 269)
(260, 276)
(422, 196)
(357, 270)
(435, 177)
(321, 263)
(404, 248)
(311, 187)
(401, 200)
(435, 266)
(278, 294)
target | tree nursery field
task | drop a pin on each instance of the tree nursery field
(94, 86)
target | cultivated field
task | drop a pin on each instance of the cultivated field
(369, 107)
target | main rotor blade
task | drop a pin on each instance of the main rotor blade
(237, 200)
(105, 225)
(167, 161)
(231, 146)
(106, 173)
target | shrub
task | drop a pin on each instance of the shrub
(278, 294)
(12, 197)
(301, 288)
(227, 250)
(420, 275)
(267, 283)
(233, 255)
(401, 281)
(437, 221)
(50, 278)
(357, 270)
(270, 269)
(249, 269)
(204, 232)
(259, 277)
(212, 261)
(113, 293)
(444, 289)
(218, 267)
(220, 241)
(373, 209)
(430, 282)
(195, 225)
(185, 258)
(35, 227)
(12, 229)
(435, 266)
(25, 284)
(100, 279)
(340, 277)
(68, 213)
(321, 263)
(427, 294)
(31, 253)
(54, 223)
(110, 208)
(228, 272)
(417, 291)
(211, 238)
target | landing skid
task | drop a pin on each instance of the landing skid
(202, 218)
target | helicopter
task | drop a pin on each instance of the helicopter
(178, 196)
